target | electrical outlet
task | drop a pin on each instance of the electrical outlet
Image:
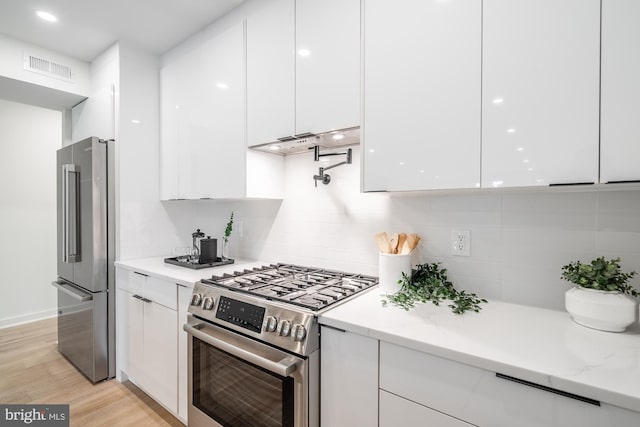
(461, 242)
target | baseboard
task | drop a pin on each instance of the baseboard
(28, 318)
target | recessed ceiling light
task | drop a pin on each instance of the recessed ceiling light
(401, 163)
(520, 148)
(372, 150)
(512, 130)
(274, 147)
(222, 85)
(304, 52)
(338, 136)
(135, 121)
(46, 16)
(498, 100)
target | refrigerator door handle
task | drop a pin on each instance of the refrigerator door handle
(67, 289)
(70, 213)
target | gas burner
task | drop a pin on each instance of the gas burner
(307, 287)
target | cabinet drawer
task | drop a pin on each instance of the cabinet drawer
(158, 291)
(396, 411)
(480, 397)
(161, 292)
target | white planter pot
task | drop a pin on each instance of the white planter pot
(603, 310)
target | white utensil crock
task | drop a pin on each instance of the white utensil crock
(390, 269)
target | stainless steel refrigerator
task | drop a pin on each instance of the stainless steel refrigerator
(86, 252)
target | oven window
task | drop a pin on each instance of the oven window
(236, 393)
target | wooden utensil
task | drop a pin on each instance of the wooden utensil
(402, 238)
(393, 243)
(383, 242)
(411, 242)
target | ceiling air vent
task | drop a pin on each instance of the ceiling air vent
(46, 67)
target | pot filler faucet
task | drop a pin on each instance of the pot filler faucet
(322, 176)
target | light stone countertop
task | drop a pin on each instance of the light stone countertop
(156, 267)
(535, 344)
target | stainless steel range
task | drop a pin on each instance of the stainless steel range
(254, 344)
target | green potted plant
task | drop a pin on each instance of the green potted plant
(602, 298)
(225, 238)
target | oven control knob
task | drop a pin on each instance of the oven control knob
(284, 328)
(272, 324)
(207, 303)
(299, 332)
(196, 299)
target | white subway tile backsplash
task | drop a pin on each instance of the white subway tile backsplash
(519, 240)
(536, 285)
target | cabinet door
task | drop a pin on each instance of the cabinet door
(349, 379)
(161, 354)
(396, 411)
(422, 64)
(540, 84)
(170, 84)
(184, 298)
(203, 104)
(270, 72)
(620, 115)
(216, 117)
(135, 340)
(327, 65)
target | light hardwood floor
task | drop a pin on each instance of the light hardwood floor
(32, 371)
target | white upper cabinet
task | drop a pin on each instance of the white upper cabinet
(327, 65)
(303, 68)
(216, 118)
(271, 72)
(620, 115)
(540, 92)
(422, 71)
(170, 100)
(204, 151)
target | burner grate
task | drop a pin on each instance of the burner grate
(308, 287)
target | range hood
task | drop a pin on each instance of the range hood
(302, 143)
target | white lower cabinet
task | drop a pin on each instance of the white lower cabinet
(396, 411)
(149, 326)
(349, 379)
(481, 398)
(184, 298)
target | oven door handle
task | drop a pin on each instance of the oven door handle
(284, 367)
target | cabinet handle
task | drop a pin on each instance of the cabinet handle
(568, 184)
(143, 299)
(549, 389)
(141, 274)
(630, 181)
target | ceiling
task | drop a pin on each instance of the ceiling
(85, 28)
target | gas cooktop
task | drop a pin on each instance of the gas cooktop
(307, 287)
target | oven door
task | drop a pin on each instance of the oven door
(237, 381)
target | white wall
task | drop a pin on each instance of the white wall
(29, 138)
(24, 86)
(519, 239)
